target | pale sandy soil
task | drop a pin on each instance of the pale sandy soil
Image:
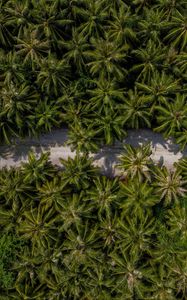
(164, 152)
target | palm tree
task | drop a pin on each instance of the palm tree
(51, 191)
(27, 282)
(115, 5)
(137, 197)
(48, 261)
(177, 221)
(82, 138)
(72, 210)
(169, 185)
(159, 89)
(71, 102)
(94, 16)
(105, 95)
(136, 161)
(74, 91)
(170, 7)
(13, 189)
(149, 59)
(163, 287)
(7, 129)
(80, 246)
(6, 38)
(106, 58)
(167, 254)
(177, 30)
(76, 48)
(150, 26)
(17, 103)
(181, 167)
(180, 64)
(135, 109)
(31, 49)
(11, 69)
(109, 127)
(180, 276)
(102, 196)
(127, 277)
(53, 76)
(136, 233)
(78, 171)
(50, 23)
(45, 117)
(172, 116)
(181, 138)
(142, 4)
(109, 232)
(56, 286)
(97, 284)
(122, 26)
(69, 282)
(18, 16)
(10, 218)
(39, 227)
(73, 9)
(37, 170)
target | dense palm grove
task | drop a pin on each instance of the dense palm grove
(72, 233)
(99, 67)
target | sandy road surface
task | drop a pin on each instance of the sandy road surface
(165, 152)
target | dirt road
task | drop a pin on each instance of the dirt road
(165, 152)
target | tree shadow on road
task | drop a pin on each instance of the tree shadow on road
(107, 157)
(20, 148)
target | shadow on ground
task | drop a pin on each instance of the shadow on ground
(164, 151)
(20, 149)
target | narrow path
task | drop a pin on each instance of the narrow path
(165, 152)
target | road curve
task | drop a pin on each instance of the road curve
(163, 151)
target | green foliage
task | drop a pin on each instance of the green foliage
(122, 26)
(110, 126)
(149, 59)
(177, 30)
(136, 161)
(105, 95)
(136, 112)
(81, 235)
(160, 88)
(10, 246)
(172, 117)
(37, 170)
(78, 171)
(99, 67)
(106, 59)
(169, 184)
(136, 197)
(61, 62)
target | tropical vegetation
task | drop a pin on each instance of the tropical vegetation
(99, 67)
(73, 233)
